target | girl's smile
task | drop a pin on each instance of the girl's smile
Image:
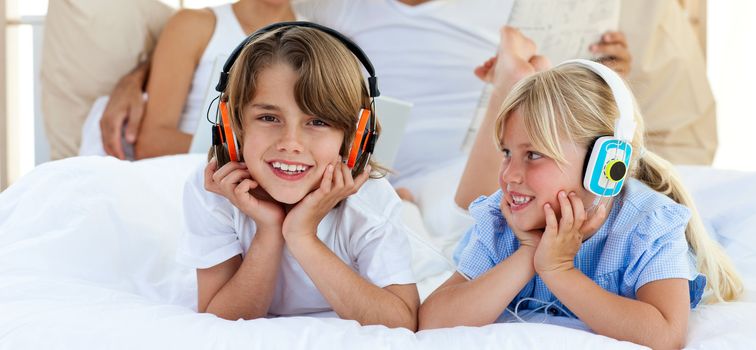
(518, 201)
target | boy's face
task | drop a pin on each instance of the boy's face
(286, 150)
(529, 180)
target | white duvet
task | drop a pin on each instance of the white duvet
(87, 261)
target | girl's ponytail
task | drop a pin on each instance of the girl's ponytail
(722, 281)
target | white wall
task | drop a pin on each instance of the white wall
(731, 60)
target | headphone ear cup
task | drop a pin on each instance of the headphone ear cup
(361, 138)
(606, 166)
(588, 156)
(220, 152)
(227, 132)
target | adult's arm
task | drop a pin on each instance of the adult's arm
(125, 108)
(176, 57)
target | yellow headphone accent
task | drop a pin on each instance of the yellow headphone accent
(615, 170)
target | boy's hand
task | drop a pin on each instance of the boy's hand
(337, 184)
(234, 182)
(561, 240)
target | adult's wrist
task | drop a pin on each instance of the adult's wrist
(138, 75)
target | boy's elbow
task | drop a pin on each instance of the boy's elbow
(408, 323)
(234, 316)
(407, 319)
(231, 314)
(404, 318)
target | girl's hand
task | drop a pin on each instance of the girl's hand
(562, 240)
(337, 184)
(234, 182)
(526, 238)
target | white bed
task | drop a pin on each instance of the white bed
(87, 261)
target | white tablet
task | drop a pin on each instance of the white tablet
(393, 115)
(202, 139)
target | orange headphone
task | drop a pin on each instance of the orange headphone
(225, 145)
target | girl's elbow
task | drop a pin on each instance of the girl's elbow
(672, 340)
(676, 341)
(669, 343)
(425, 319)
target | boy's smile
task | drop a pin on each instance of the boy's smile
(286, 150)
(291, 171)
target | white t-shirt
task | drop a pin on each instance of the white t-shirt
(424, 54)
(365, 231)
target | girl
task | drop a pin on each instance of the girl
(289, 231)
(624, 270)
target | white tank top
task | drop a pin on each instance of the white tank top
(227, 35)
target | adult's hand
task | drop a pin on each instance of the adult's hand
(612, 51)
(125, 109)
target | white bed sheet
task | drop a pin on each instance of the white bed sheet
(87, 261)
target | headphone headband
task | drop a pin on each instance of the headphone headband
(356, 50)
(224, 141)
(624, 127)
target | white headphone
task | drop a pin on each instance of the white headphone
(609, 156)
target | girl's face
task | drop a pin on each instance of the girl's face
(286, 150)
(529, 180)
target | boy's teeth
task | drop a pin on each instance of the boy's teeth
(290, 167)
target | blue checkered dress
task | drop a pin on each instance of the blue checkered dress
(642, 240)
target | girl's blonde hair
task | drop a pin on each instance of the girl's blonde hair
(330, 84)
(572, 101)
